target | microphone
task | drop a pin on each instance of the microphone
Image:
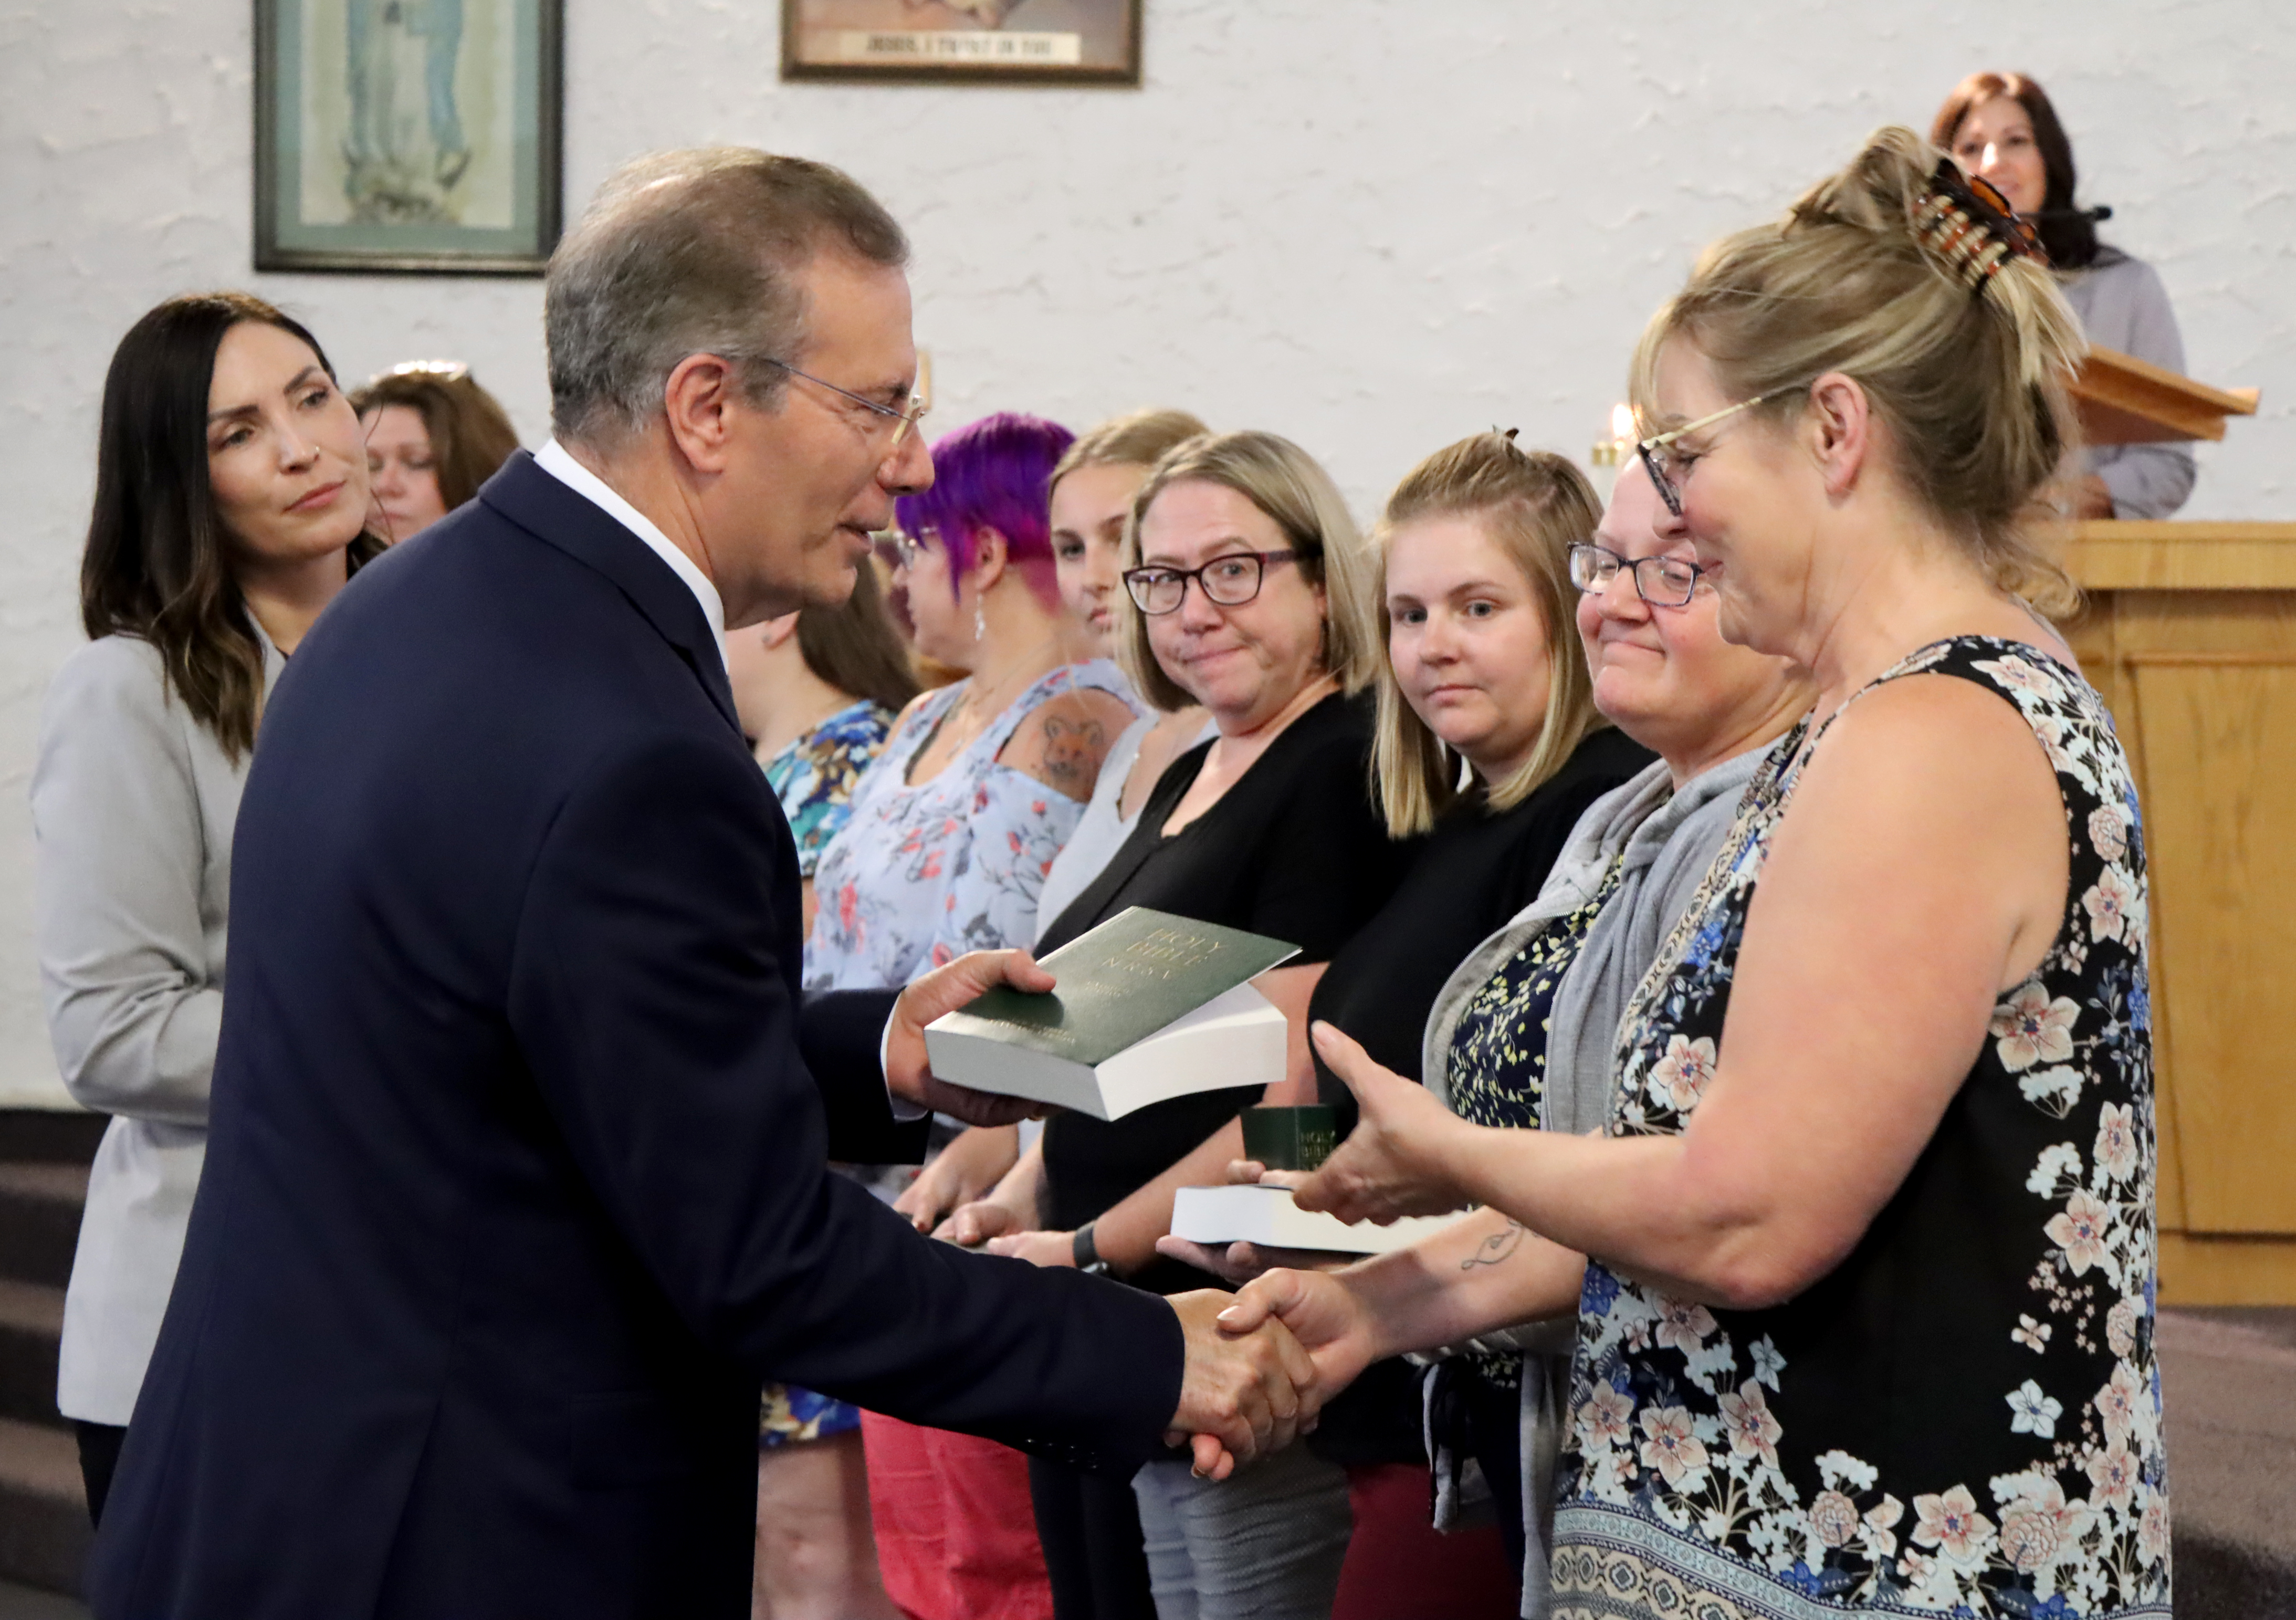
(2097, 215)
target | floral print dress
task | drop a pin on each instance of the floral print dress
(814, 777)
(1964, 1417)
(924, 872)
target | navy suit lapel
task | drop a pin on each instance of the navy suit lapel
(560, 516)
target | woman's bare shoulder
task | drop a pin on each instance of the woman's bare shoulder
(1062, 740)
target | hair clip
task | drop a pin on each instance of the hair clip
(1965, 221)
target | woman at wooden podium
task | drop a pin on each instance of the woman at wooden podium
(2002, 126)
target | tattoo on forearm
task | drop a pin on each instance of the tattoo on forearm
(1496, 1247)
(1073, 750)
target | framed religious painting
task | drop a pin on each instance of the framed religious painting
(403, 135)
(1052, 42)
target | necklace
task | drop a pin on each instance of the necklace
(976, 704)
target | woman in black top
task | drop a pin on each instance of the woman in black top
(1483, 670)
(1252, 596)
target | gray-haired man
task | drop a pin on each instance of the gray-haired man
(515, 1190)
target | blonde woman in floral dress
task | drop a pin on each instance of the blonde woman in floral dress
(1864, 1267)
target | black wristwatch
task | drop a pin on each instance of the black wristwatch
(1086, 1255)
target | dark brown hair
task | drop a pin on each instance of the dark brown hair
(155, 566)
(2069, 234)
(854, 647)
(470, 435)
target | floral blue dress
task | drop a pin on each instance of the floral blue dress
(813, 776)
(924, 872)
(1964, 1417)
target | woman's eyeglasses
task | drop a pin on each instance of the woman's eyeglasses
(1668, 467)
(901, 550)
(1661, 582)
(1229, 581)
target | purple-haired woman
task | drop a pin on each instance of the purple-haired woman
(951, 831)
(980, 782)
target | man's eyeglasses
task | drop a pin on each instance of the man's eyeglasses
(1668, 468)
(904, 421)
(1229, 581)
(1661, 582)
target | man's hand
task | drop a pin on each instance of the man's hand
(908, 1071)
(1392, 1163)
(1245, 1392)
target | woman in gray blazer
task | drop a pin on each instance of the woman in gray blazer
(231, 504)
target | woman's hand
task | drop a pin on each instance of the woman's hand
(1037, 1248)
(1332, 1321)
(976, 1223)
(966, 1170)
(1242, 1262)
(1392, 1165)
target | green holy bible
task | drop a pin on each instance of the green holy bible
(1149, 1006)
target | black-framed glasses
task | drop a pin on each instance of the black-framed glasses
(1661, 582)
(1226, 582)
(904, 421)
(1668, 467)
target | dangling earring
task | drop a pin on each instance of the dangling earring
(979, 623)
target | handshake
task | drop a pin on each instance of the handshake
(1262, 1363)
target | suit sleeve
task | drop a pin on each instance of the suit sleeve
(647, 999)
(840, 1035)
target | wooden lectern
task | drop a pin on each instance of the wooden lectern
(2189, 631)
(2126, 401)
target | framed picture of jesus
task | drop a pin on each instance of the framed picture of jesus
(408, 135)
(1060, 42)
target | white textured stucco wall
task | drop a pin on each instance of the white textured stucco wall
(1373, 225)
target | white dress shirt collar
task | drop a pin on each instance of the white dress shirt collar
(554, 459)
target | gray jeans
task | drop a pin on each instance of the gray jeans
(1266, 1543)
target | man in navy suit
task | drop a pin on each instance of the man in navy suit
(516, 1188)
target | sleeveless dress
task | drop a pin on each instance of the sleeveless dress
(1964, 1417)
(924, 872)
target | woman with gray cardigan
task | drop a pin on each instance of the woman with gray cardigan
(231, 504)
(2002, 126)
(1566, 963)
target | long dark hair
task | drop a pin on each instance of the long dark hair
(470, 435)
(2066, 230)
(854, 648)
(155, 566)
